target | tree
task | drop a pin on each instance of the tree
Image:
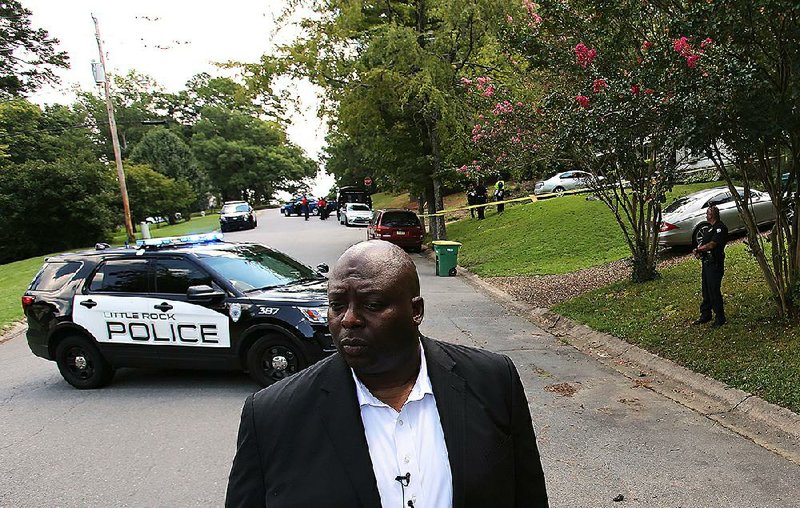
(30, 133)
(245, 157)
(154, 194)
(742, 105)
(391, 70)
(609, 107)
(28, 56)
(136, 102)
(54, 206)
(165, 152)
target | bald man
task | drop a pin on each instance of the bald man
(395, 419)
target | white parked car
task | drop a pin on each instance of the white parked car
(355, 214)
(565, 181)
(682, 222)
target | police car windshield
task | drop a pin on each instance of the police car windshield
(254, 267)
(234, 208)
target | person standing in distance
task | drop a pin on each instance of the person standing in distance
(304, 206)
(481, 197)
(711, 252)
(471, 199)
(395, 418)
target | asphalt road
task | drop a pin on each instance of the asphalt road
(166, 438)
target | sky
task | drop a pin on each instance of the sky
(171, 41)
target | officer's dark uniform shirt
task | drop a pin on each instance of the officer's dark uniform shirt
(717, 233)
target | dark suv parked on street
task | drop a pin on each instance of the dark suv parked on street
(237, 215)
(185, 302)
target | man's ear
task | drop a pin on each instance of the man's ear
(418, 309)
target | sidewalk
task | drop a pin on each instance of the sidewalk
(612, 419)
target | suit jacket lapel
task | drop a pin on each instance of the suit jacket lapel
(341, 417)
(449, 391)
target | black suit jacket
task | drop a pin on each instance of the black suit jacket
(301, 441)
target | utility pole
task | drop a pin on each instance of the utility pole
(112, 125)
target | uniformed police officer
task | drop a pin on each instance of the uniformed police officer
(711, 251)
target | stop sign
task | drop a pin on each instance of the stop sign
(367, 181)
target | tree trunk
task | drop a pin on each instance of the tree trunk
(439, 202)
(431, 201)
(438, 229)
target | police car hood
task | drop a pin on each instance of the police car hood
(315, 291)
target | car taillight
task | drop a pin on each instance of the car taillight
(26, 301)
(666, 226)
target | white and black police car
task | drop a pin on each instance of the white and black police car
(192, 302)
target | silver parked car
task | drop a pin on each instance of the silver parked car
(682, 221)
(565, 181)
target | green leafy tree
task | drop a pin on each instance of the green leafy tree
(136, 103)
(166, 152)
(54, 206)
(152, 193)
(30, 133)
(246, 157)
(609, 107)
(28, 56)
(390, 73)
(742, 106)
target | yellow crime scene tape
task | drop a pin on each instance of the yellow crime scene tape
(532, 198)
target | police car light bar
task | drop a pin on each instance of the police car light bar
(171, 241)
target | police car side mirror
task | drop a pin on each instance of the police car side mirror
(322, 268)
(203, 294)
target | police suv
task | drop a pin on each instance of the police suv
(183, 302)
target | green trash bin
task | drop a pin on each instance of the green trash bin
(446, 257)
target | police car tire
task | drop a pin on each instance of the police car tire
(278, 345)
(98, 372)
(559, 190)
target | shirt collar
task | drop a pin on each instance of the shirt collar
(422, 386)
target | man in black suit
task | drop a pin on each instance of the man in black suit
(395, 419)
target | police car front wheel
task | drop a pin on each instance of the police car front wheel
(272, 358)
(81, 364)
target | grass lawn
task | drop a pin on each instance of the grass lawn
(14, 280)
(196, 225)
(552, 236)
(754, 351)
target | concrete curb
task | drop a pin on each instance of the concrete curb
(14, 330)
(773, 427)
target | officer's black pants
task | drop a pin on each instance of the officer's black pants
(501, 207)
(712, 290)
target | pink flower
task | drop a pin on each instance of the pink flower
(463, 169)
(476, 129)
(582, 100)
(648, 91)
(691, 61)
(635, 89)
(599, 85)
(682, 46)
(646, 45)
(706, 42)
(531, 7)
(489, 91)
(466, 81)
(509, 18)
(483, 80)
(503, 107)
(516, 140)
(584, 55)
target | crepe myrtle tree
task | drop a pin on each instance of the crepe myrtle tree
(742, 105)
(609, 107)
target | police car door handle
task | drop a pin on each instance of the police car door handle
(89, 303)
(164, 307)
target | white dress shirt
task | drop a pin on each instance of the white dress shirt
(411, 441)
